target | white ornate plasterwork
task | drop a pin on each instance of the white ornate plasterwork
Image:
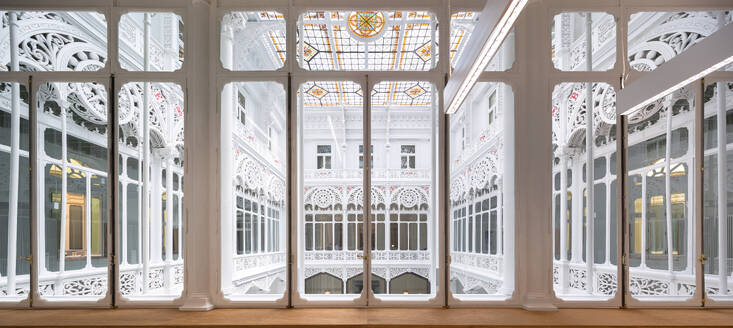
(87, 286)
(410, 196)
(475, 284)
(605, 283)
(639, 286)
(257, 177)
(323, 197)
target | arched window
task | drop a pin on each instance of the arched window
(324, 283)
(409, 219)
(409, 283)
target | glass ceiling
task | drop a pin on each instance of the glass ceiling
(367, 40)
(349, 94)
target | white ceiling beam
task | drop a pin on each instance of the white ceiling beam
(705, 57)
(494, 24)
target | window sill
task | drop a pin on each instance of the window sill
(370, 317)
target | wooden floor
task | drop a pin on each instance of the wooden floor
(368, 318)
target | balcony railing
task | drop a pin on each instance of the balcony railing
(378, 174)
(93, 281)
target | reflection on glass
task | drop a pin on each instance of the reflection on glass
(73, 191)
(14, 193)
(718, 218)
(661, 216)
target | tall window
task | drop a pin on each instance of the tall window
(407, 156)
(480, 264)
(323, 157)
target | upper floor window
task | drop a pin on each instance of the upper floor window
(492, 107)
(323, 159)
(361, 156)
(241, 112)
(408, 156)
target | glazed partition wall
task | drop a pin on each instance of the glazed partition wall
(306, 108)
(81, 234)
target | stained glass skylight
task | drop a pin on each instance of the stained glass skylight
(402, 93)
(367, 40)
(331, 94)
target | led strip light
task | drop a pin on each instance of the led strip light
(489, 49)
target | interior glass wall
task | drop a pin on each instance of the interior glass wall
(254, 220)
(403, 195)
(584, 198)
(72, 191)
(330, 221)
(661, 214)
(150, 190)
(478, 237)
(15, 243)
(718, 200)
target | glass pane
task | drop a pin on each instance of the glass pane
(73, 192)
(657, 37)
(15, 235)
(402, 188)
(461, 27)
(254, 172)
(151, 142)
(717, 187)
(478, 269)
(585, 269)
(367, 41)
(151, 41)
(253, 41)
(53, 41)
(661, 213)
(570, 48)
(330, 124)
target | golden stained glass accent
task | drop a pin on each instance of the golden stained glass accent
(308, 51)
(424, 51)
(415, 91)
(366, 24)
(317, 91)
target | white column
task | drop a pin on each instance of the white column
(145, 170)
(169, 209)
(722, 190)
(563, 274)
(123, 206)
(589, 142)
(609, 247)
(88, 219)
(156, 210)
(58, 288)
(199, 158)
(643, 219)
(14, 159)
(228, 196)
(668, 183)
(576, 208)
(500, 218)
